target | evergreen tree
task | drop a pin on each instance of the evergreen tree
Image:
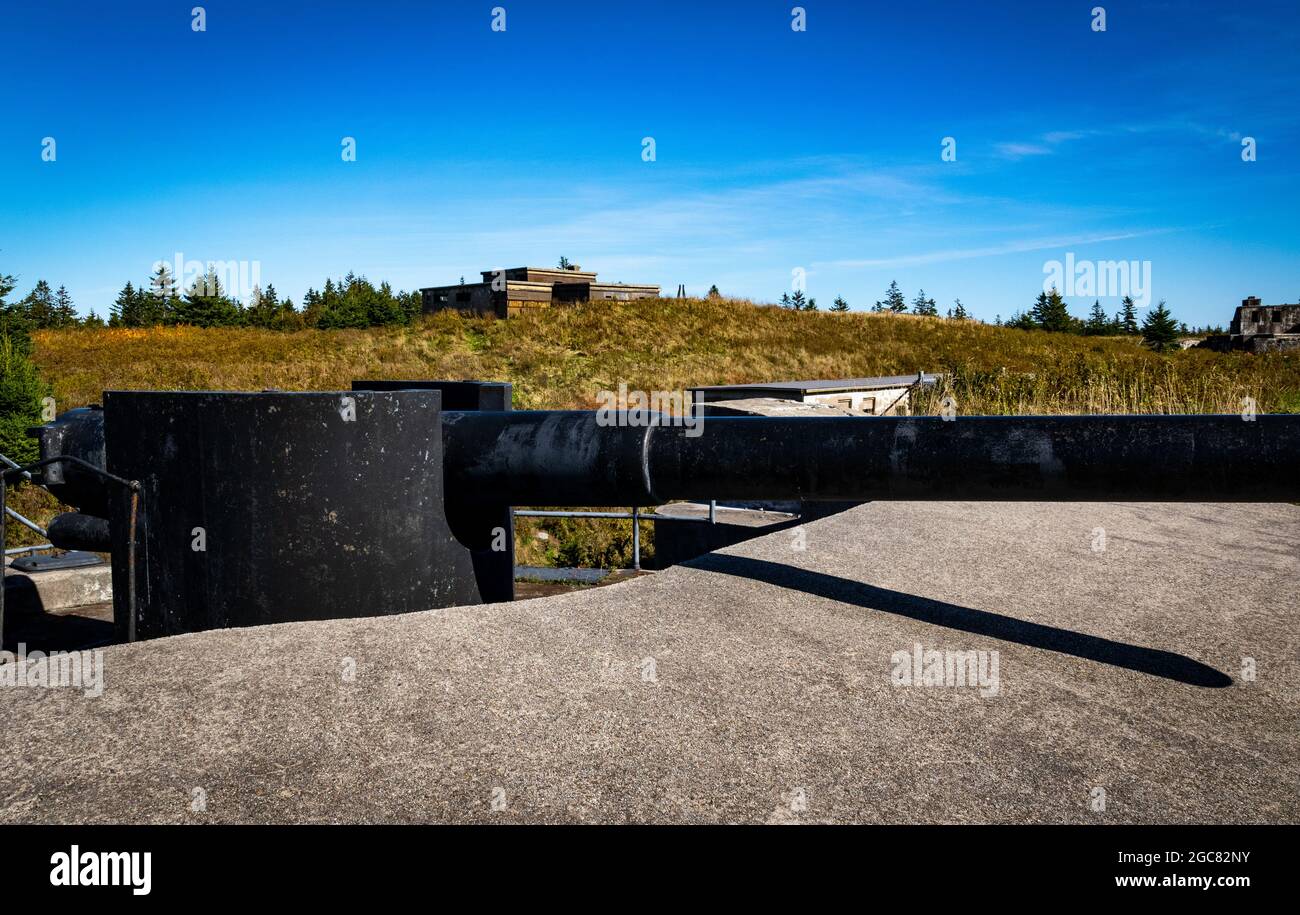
(1022, 321)
(1128, 316)
(798, 301)
(207, 305)
(264, 307)
(311, 308)
(894, 301)
(291, 319)
(92, 320)
(959, 310)
(160, 305)
(21, 388)
(1159, 329)
(1098, 324)
(839, 305)
(923, 306)
(1050, 313)
(714, 292)
(14, 323)
(64, 311)
(122, 313)
(39, 306)
(21, 393)
(785, 300)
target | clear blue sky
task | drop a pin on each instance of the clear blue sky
(776, 149)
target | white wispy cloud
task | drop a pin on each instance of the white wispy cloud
(1011, 247)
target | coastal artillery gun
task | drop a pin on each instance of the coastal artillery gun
(229, 509)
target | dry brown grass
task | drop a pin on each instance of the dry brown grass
(561, 357)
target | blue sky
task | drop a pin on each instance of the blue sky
(776, 150)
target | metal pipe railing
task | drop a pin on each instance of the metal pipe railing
(25, 522)
(634, 516)
(34, 548)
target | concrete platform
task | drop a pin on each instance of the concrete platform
(754, 685)
(58, 589)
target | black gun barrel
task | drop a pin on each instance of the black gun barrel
(587, 459)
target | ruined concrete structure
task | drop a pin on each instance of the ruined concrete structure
(1259, 328)
(886, 396)
(508, 292)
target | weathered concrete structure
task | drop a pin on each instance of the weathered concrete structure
(884, 396)
(1259, 328)
(508, 292)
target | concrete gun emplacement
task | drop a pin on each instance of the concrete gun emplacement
(236, 509)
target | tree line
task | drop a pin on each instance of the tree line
(352, 301)
(1158, 329)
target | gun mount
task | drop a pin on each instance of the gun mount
(395, 497)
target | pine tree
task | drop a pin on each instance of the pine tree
(923, 306)
(785, 300)
(311, 308)
(160, 307)
(207, 305)
(124, 310)
(839, 305)
(959, 310)
(13, 320)
(1159, 329)
(798, 301)
(263, 307)
(93, 320)
(1050, 313)
(39, 306)
(714, 293)
(1098, 323)
(65, 312)
(894, 301)
(1128, 316)
(21, 388)
(21, 393)
(291, 319)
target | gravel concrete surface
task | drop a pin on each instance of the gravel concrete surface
(757, 684)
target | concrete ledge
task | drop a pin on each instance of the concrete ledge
(58, 589)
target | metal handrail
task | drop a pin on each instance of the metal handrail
(634, 516)
(34, 548)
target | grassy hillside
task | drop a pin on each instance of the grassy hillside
(561, 357)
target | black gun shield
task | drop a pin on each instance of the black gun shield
(276, 507)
